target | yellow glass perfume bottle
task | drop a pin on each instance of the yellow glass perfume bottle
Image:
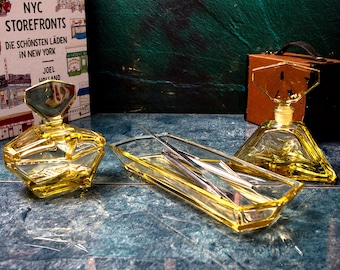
(54, 158)
(282, 145)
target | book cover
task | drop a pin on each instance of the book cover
(40, 40)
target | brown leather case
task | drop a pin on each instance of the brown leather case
(320, 109)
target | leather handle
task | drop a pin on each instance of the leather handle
(308, 48)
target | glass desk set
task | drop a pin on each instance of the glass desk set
(55, 158)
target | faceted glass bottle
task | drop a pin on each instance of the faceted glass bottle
(54, 158)
(282, 145)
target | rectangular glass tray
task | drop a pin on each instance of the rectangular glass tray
(242, 209)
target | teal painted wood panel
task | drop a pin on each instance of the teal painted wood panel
(190, 56)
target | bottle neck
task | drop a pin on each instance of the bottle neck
(283, 114)
(53, 121)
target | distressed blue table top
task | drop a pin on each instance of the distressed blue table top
(124, 223)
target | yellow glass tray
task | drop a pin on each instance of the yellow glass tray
(242, 207)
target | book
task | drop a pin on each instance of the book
(40, 40)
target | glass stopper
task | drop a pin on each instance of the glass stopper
(285, 82)
(50, 99)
